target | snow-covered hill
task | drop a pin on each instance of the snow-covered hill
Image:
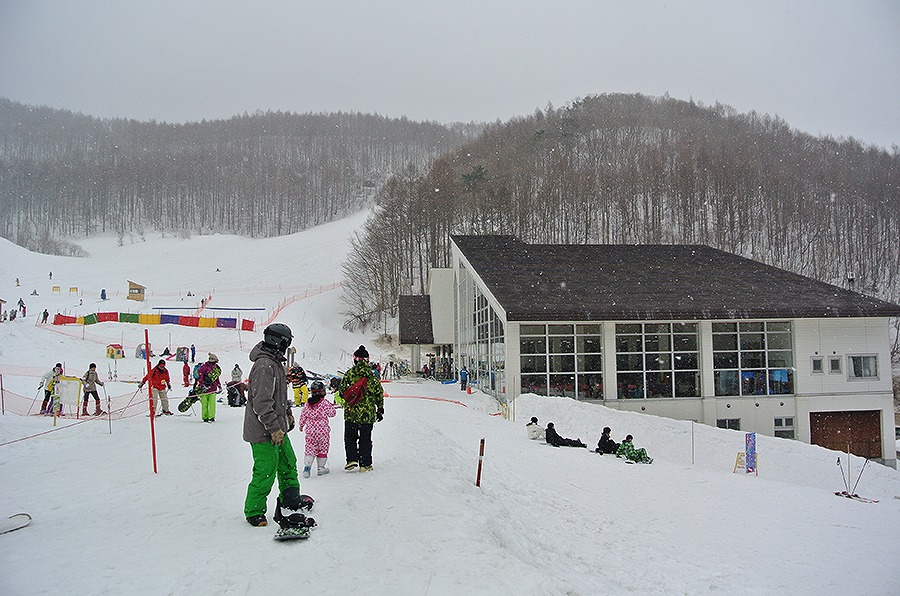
(545, 520)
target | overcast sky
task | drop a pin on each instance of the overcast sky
(825, 66)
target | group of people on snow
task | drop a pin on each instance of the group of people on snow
(89, 381)
(625, 449)
(268, 419)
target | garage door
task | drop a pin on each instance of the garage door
(836, 430)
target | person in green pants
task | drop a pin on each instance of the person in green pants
(267, 420)
(208, 386)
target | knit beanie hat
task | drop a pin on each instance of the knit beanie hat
(213, 357)
(361, 353)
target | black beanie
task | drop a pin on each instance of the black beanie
(361, 353)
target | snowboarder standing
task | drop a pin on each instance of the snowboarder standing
(360, 418)
(45, 316)
(22, 306)
(463, 378)
(314, 419)
(186, 373)
(207, 386)
(267, 420)
(91, 379)
(193, 352)
(159, 384)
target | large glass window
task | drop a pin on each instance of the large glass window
(753, 358)
(656, 360)
(482, 347)
(562, 360)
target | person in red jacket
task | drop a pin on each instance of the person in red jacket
(159, 384)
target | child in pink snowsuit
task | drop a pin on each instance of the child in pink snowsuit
(314, 417)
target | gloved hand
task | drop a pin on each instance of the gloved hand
(169, 386)
(290, 422)
(278, 437)
(41, 386)
(379, 414)
(140, 385)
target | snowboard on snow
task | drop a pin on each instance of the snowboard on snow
(295, 526)
(14, 522)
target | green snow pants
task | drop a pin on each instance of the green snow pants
(208, 406)
(270, 461)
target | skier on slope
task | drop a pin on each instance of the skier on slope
(160, 385)
(50, 378)
(91, 379)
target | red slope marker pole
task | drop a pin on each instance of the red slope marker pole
(150, 401)
(480, 460)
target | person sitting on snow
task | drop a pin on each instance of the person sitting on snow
(628, 451)
(534, 430)
(606, 444)
(554, 439)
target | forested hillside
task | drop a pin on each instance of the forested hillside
(635, 169)
(264, 174)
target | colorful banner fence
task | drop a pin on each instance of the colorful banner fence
(155, 319)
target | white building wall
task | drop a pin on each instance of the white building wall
(443, 310)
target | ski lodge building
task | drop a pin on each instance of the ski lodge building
(682, 331)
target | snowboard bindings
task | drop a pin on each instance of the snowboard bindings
(295, 524)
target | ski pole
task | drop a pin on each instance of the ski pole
(108, 409)
(860, 476)
(846, 486)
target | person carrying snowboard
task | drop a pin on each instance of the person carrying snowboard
(314, 422)
(363, 407)
(160, 385)
(207, 386)
(267, 420)
(91, 379)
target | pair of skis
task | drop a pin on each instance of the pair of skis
(849, 493)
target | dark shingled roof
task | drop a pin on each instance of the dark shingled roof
(603, 282)
(415, 320)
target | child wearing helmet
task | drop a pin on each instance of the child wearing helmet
(298, 379)
(314, 422)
